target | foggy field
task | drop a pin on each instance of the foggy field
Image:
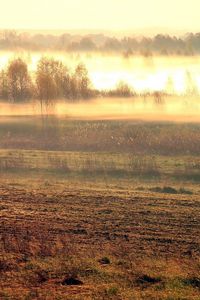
(99, 150)
(103, 191)
(172, 74)
(99, 169)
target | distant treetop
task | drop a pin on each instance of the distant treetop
(161, 44)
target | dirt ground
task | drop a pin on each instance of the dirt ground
(118, 244)
(149, 223)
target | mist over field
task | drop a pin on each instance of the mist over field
(172, 74)
(99, 150)
(176, 109)
(153, 87)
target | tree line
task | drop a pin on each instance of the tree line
(51, 80)
(159, 44)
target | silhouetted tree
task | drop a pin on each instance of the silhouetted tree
(158, 97)
(52, 81)
(112, 44)
(4, 90)
(122, 90)
(46, 90)
(191, 86)
(87, 44)
(80, 83)
(19, 81)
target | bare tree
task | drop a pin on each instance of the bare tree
(19, 81)
(4, 90)
(52, 81)
(82, 82)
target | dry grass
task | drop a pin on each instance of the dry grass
(138, 137)
(125, 224)
(101, 165)
(150, 241)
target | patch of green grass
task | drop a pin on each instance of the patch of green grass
(96, 165)
(111, 291)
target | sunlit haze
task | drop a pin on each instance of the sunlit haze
(104, 14)
(99, 149)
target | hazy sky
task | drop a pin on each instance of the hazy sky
(100, 14)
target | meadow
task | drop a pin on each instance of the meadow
(99, 209)
(99, 150)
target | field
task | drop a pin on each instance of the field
(99, 209)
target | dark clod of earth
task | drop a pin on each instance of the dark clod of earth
(104, 261)
(145, 279)
(194, 282)
(71, 281)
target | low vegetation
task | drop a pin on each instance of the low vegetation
(115, 217)
(103, 166)
(114, 136)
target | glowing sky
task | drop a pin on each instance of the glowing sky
(100, 14)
